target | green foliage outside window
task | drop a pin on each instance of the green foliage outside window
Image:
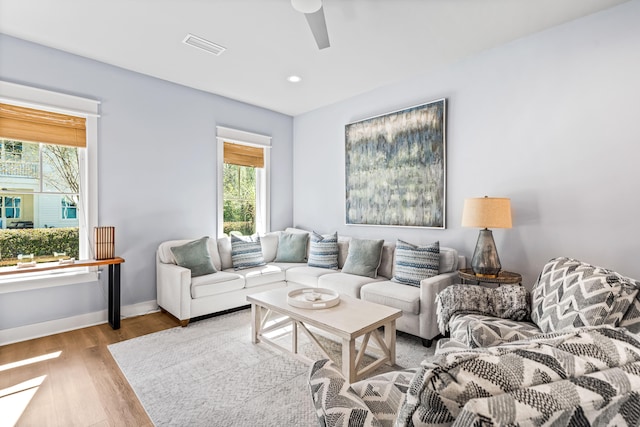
(239, 209)
(41, 242)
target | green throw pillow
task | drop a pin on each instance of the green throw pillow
(363, 258)
(194, 256)
(292, 247)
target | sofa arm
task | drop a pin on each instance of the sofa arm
(335, 401)
(429, 289)
(173, 286)
(505, 302)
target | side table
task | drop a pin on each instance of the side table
(504, 277)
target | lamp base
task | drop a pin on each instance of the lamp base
(485, 261)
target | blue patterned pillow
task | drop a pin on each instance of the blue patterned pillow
(415, 263)
(323, 252)
(246, 252)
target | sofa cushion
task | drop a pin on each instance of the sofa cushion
(246, 252)
(261, 275)
(570, 294)
(292, 247)
(477, 330)
(527, 382)
(387, 260)
(269, 243)
(195, 256)
(307, 276)
(323, 252)
(364, 257)
(392, 294)
(346, 284)
(213, 284)
(415, 263)
(448, 260)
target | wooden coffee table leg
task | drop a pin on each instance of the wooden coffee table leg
(256, 322)
(349, 359)
(390, 340)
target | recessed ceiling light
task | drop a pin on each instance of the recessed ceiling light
(203, 44)
(294, 79)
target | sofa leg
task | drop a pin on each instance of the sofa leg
(184, 323)
(426, 343)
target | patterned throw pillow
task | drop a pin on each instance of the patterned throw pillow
(194, 256)
(246, 252)
(324, 251)
(571, 294)
(415, 263)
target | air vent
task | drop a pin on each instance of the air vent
(203, 44)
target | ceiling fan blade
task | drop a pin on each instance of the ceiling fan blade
(318, 27)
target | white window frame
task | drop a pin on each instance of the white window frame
(263, 180)
(30, 97)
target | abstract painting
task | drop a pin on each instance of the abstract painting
(396, 168)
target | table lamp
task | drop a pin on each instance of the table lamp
(486, 212)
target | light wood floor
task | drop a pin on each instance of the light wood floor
(79, 384)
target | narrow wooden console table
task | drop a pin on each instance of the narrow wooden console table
(114, 280)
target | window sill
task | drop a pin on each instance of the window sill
(27, 282)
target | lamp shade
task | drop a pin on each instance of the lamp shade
(306, 6)
(487, 212)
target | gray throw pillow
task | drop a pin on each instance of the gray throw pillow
(195, 256)
(246, 252)
(292, 247)
(415, 263)
(364, 257)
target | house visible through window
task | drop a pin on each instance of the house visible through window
(40, 184)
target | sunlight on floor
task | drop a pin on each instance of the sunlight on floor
(25, 362)
(15, 399)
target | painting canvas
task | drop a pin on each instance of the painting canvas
(396, 168)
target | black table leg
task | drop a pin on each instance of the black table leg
(114, 296)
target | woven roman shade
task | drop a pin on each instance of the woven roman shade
(28, 124)
(243, 155)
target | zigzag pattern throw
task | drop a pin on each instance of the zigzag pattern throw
(571, 294)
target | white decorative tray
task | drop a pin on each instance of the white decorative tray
(313, 298)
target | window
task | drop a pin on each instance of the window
(11, 151)
(243, 182)
(10, 207)
(69, 209)
(48, 178)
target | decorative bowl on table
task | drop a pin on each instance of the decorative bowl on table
(313, 298)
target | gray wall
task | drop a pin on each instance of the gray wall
(157, 168)
(551, 121)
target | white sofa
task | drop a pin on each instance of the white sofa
(186, 297)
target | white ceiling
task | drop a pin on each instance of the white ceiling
(373, 42)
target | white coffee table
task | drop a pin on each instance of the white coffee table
(350, 319)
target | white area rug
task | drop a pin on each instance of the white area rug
(210, 374)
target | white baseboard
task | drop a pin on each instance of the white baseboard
(37, 330)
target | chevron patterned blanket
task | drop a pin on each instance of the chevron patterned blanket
(506, 302)
(585, 377)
